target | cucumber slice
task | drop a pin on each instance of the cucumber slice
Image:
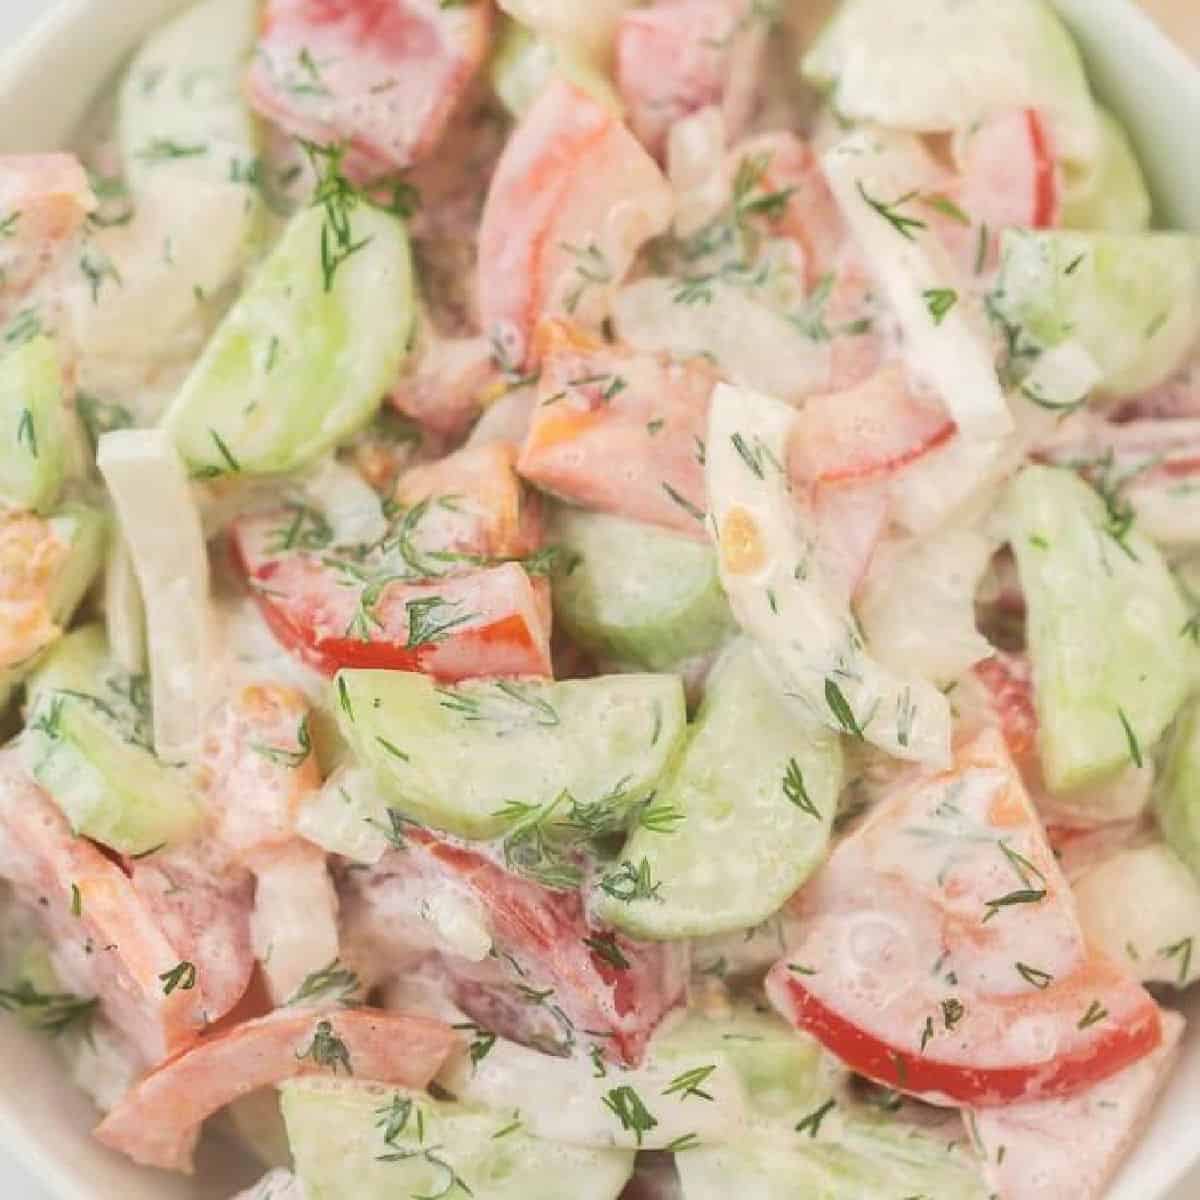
(940, 65)
(1152, 938)
(32, 427)
(772, 1171)
(1113, 194)
(454, 757)
(634, 594)
(563, 1099)
(85, 530)
(1177, 796)
(1110, 667)
(523, 63)
(75, 663)
(347, 816)
(182, 107)
(88, 744)
(1131, 300)
(307, 353)
(748, 810)
(338, 1133)
(784, 1073)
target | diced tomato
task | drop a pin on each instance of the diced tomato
(31, 555)
(488, 622)
(158, 1122)
(573, 197)
(1008, 178)
(447, 384)
(850, 520)
(1178, 398)
(545, 936)
(43, 201)
(202, 905)
(939, 951)
(620, 431)
(381, 76)
(790, 199)
(294, 925)
(1008, 681)
(675, 57)
(1009, 172)
(871, 430)
(114, 948)
(260, 766)
(1069, 1149)
(476, 505)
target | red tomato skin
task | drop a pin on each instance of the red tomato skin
(922, 1075)
(548, 930)
(293, 592)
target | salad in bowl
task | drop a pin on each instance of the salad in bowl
(601, 601)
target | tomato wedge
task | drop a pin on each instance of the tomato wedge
(158, 1121)
(676, 57)
(553, 976)
(939, 951)
(381, 76)
(475, 506)
(44, 199)
(618, 430)
(115, 948)
(1070, 1149)
(31, 554)
(445, 383)
(488, 622)
(871, 430)
(1008, 177)
(790, 199)
(573, 197)
(260, 766)
(1007, 680)
(1009, 172)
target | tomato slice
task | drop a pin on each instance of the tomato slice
(1069, 1149)
(939, 951)
(790, 199)
(446, 383)
(475, 505)
(676, 57)
(44, 199)
(31, 555)
(260, 766)
(573, 197)
(157, 1123)
(871, 430)
(851, 520)
(381, 76)
(1007, 680)
(553, 977)
(618, 430)
(118, 946)
(494, 621)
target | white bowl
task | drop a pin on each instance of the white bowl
(46, 86)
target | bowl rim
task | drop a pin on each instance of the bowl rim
(1112, 33)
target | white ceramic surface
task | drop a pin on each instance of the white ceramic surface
(46, 85)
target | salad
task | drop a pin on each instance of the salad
(602, 600)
